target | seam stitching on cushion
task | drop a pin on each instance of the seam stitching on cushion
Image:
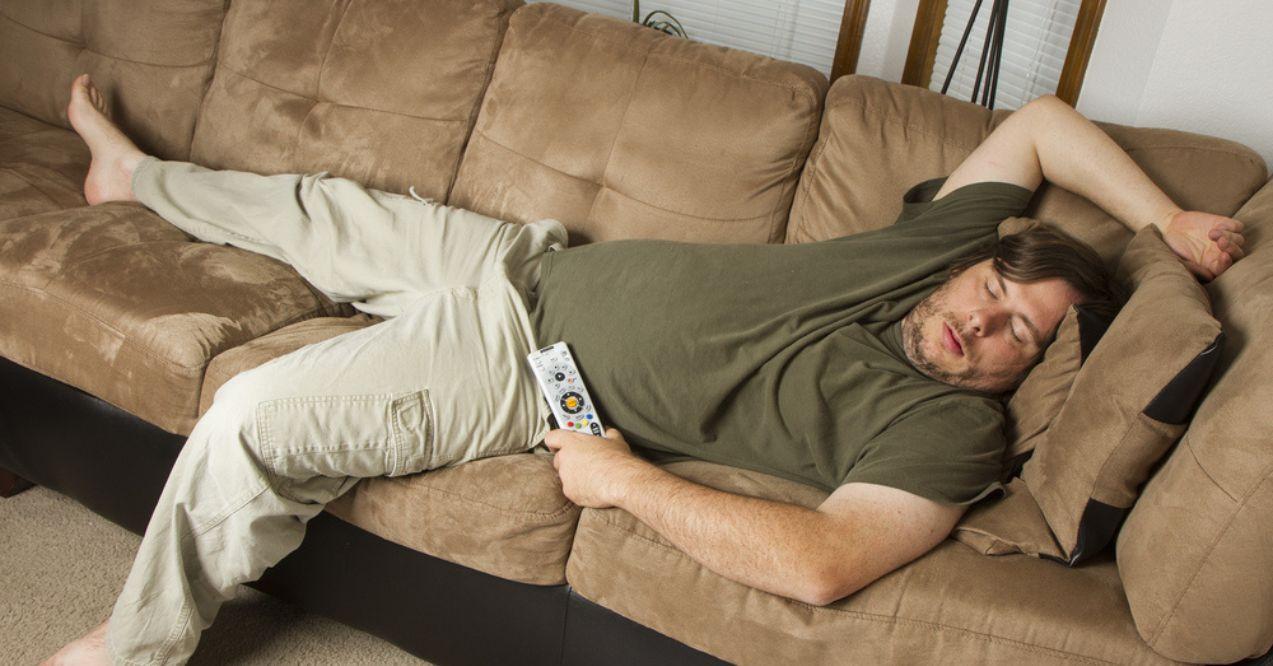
(1189, 446)
(605, 168)
(488, 75)
(318, 83)
(331, 43)
(212, 76)
(202, 63)
(528, 158)
(35, 187)
(1175, 604)
(83, 46)
(696, 217)
(27, 135)
(811, 169)
(125, 339)
(331, 103)
(313, 313)
(64, 40)
(560, 511)
(527, 577)
(806, 145)
(597, 35)
(873, 617)
(97, 253)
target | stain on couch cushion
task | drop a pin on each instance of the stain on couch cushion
(115, 301)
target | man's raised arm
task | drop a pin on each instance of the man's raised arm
(1046, 139)
(861, 532)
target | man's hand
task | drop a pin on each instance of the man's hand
(1208, 244)
(592, 469)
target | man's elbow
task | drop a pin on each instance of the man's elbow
(831, 585)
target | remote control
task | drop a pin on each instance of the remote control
(563, 388)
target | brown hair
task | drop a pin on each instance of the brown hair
(1041, 253)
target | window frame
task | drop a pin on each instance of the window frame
(926, 33)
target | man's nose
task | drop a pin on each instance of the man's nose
(985, 321)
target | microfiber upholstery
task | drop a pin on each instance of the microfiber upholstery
(1196, 551)
(620, 131)
(384, 92)
(152, 59)
(504, 515)
(951, 605)
(848, 186)
(1162, 347)
(115, 301)
(42, 166)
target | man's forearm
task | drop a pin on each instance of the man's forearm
(1076, 155)
(781, 548)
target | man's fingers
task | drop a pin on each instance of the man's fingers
(1234, 238)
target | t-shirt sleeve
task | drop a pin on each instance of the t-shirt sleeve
(949, 450)
(977, 205)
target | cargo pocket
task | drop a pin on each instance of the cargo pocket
(345, 435)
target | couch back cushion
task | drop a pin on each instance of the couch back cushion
(1196, 550)
(381, 92)
(152, 59)
(620, 131)
(879, 138)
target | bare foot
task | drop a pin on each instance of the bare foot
(88, 650)
(110, 175)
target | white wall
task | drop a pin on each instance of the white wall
(1195, 65)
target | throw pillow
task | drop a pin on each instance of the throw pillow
(1039, 398)
(1129, 403)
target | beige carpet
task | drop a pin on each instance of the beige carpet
(61, 567)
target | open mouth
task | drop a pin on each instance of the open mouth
(952, 341)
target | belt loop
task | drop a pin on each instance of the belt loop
(417, 197)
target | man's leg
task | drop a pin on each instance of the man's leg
(283, 439)
(372, 248)
(479, 401)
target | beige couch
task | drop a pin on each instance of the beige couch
(525, 112)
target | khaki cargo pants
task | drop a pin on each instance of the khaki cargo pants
(442, 381)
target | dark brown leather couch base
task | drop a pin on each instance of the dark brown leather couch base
(116, 464)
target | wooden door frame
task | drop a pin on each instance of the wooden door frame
(927, 32)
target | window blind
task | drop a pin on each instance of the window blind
(1036, 38)
(804, 31)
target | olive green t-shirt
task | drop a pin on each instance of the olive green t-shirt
(786, 359)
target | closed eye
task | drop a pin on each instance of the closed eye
(996, 297)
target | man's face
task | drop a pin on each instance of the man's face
(981, 331)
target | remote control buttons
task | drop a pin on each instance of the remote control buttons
(559, 376)
(572, 402)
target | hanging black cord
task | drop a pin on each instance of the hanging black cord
(985, 53)
(950, 73)
(998, 58)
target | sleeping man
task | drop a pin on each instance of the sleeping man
(872, 365)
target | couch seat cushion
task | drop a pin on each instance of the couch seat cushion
(505, 515)
(115, 301)
(42, 167)
(951, 605)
